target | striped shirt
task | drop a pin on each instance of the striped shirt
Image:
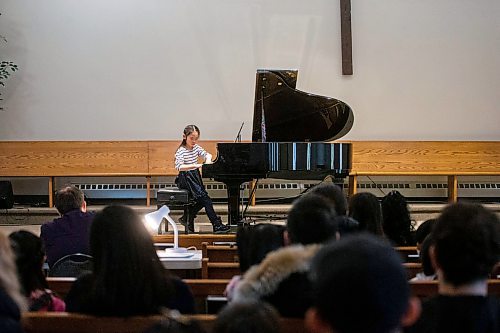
(186, 156)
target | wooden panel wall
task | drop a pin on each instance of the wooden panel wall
(426, 157)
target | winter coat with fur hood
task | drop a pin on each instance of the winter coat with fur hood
(281, 279)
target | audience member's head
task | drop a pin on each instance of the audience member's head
(9, 282)
(69, 198)
(256, 241)
(129, 278)
(332, 192)
(30, 256)
(423, 230)
(360, 285)
(396, 219)
(466, 243)
(425, 257)
(311, 220)
(365, 208)
(251, 317)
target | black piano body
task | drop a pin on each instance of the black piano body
(287, 125)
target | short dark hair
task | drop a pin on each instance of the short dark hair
(332, 192)
(68, 198)
(256, 241)
(251, 317)
(423, 230)
(365, 208)
(360, 285)
(311, 220)
(467, 242)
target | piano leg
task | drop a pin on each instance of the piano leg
(233, 202)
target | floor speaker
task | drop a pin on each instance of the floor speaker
(6, 195)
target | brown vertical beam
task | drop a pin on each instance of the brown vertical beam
(346, 36)
(353, 185)
(452, 188)
(51, 192)
(252, 192)
(148, 191)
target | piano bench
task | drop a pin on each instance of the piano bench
(175, 199)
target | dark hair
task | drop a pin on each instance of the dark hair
(365, 208)
(188, 130)
(68, 198)
(425, 257)
(30, 254)
(423, 230)
(128, 276)
(359, 273)
(332, 192)
(252, 317)
(256, 241)
(467, 242)
(311, 220)
(396, 219)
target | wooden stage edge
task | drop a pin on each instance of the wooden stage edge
(147, 159)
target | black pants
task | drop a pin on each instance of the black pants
(204, 202)
(191, 181)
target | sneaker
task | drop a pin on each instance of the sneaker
(189, 226)
(221, 228)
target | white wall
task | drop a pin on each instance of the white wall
(140, 70)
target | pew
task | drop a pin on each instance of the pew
(195, 240)
(219, 253)
(408, 253)
(63, 322)
(412, 268)
(425, 289)
(219, 270)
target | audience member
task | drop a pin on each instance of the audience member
(281, 279)
(254, 243)
(428, 272)
(466, 245)
(359, 285)
(423, 230)
(365, 208)
(253, 317)
(30, 256)
(396, 219)
(12, 301)
(128, 278)
(68, 234)
(334, 194)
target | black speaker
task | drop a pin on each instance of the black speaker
(6, 195)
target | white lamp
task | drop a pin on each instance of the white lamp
(153, 222)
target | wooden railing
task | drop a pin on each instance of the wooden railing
(155, 158)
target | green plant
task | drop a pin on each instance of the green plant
(6, 69)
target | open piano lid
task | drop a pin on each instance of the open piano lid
(283, 113)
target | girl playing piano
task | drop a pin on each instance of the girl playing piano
(189, 178)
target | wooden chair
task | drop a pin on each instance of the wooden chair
(219, 253)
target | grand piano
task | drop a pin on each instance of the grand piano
(290, 130)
